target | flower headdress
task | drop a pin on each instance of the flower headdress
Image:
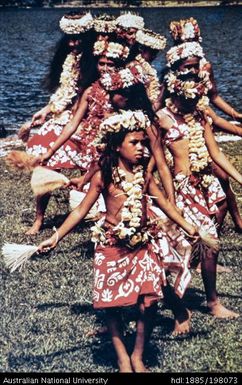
(151, 39)
(105, 24)
(123, 78)
(185, 30)
(76, 24)
(130, 20)
(188, 88)
(124, 120)
(110, 49)
(184, 51)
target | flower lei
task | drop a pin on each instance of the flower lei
(75, 25)
(123, 78)
(151, 39)
(183, 51)
(153, 86)
(110, 49)
(128, 230)
(68, 84)
(198, 154)
(129, 120)
(104, 24)
(184, 30)
(131, 213)
(188, 88)
(130, 20)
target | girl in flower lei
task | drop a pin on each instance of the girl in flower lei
(77, 152)
(195, 65)
(127, 270)
(189, 137)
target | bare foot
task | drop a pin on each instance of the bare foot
(182, 323)
(219, 311)
(35, 228)
(138, 365)
(125, 366)
(220, 269)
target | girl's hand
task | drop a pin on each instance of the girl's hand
(40, 116)
(42, 159)
(48, 244)
(77, 183)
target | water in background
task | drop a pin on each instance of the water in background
(28, 38)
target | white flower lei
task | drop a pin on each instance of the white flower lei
(110, 49)
(129, 20)
(76, 25)
(151, 39)
(183, 51)
(153, 86)
(131, 214)
(198, 153)
(185, 29)
(131, 120)
(68, 84)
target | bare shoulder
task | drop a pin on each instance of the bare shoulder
(165, 121)
(97, 180)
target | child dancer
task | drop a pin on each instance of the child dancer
(132, 251)
(189, 137)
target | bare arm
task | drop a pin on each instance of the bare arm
(70, 128)
(168, 208)
(217, 155)
(163, 169)
(223, 124)
(225, 107)
(77, 214)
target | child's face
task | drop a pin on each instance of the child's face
(132, 148)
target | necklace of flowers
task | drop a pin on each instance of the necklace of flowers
(198, 153)
(153, 86)
(68, 84)
(128, 229)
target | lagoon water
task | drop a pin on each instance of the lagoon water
(28, 37)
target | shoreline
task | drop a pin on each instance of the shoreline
(114, 5)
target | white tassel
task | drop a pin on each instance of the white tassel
(44, 180)
(208, 240)
(15, 256)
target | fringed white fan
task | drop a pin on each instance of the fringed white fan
(76, 197)
(44, 180)
(15, 256)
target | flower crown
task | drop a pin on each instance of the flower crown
(123, 78)
(110, 49)
(183, 51)
(76, 24)
(187, 88)
(125, 120)
(151, 39)
(185, 30)
(105, 24)
(130, 20)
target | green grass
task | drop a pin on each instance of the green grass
(46, 310)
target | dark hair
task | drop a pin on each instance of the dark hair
(110, 156)
(62, 49)
(137, 99)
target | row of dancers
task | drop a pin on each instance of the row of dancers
(147, 146)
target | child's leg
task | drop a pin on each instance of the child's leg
(181, 314)
(115, 329)
(144, 328)
(208, 266)
(41, 205)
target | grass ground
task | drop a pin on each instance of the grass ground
(46, 311)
